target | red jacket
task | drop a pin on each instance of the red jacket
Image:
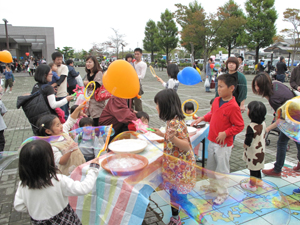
(116, 112)
(226, 118)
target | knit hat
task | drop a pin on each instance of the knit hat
(233, 60)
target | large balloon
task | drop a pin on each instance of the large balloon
(189, 76)
(5, 57)
(27, 53)
(212, 65)
(121, 80)
(262, 63)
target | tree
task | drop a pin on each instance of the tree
(233, 28)
(68, 52)
(81, 54)
(96, 50)
(192, 20)
(261, 17)
(151, 32)
(117, 40)
(292, 16)
(167, 33)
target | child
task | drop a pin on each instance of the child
(9, 79)
(81, 115)
(42, 192)
(225, 122)
(87, 141)
(140, 115)
(55, 77)
(189, 109)
(255, 143)
(173, 83)
(66, 158)
(2, 126)
(177, 144)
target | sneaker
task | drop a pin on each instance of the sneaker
(9, 92)
(259, 183)
(248, 187)
(271, 172)
(297, 168)
(219, 200)
(296, 191)
(173, 221)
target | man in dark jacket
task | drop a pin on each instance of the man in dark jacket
(295, 78)
(281, 69)
(261, 67)
(71, 76)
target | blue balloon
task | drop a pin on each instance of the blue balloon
(262, 63)
(189, 76)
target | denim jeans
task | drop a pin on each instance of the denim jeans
(65, 107)
(209, 78)
(280, 77)
(281, 151)
(216, 87)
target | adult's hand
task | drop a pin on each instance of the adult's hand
(243, 108)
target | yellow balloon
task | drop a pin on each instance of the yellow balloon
(121, 80)
(198, 70)
(5, 56)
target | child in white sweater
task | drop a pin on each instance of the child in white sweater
(42, 192)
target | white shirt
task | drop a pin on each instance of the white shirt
(140, 69)
(42, 204)
(62, 89)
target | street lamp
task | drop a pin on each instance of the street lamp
(7, 43)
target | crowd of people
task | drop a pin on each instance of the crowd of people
(56, 82)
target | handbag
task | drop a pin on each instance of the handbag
(101, 94)
(212, 84)
(206, 83)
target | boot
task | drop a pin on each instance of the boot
(297, 168)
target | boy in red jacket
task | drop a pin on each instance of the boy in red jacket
(226, 121)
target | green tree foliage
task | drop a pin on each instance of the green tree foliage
(233, 28)
(167, 33)
(151, 32)
(192, 20)
(68, 52)
(261, 17)
(293, 16)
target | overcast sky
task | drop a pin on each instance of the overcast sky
(79, 24)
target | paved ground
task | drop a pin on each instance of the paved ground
(19, 129)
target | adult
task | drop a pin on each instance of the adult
(31, 65)
(94, 73)
(241, 66)
(281, 69)
(261, 67)
(62, 72)
(277, 94)
(240, 93)
(117, 112)
(208, 73)
(71, 76)
(43, 76)
(140, 68)
(295, 78)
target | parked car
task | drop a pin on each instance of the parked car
(250, 63)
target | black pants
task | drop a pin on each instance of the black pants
(256, 174)
(70, 89)
(2, 140)
(96, 122)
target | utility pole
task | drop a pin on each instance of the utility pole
(7, 43)
(122, 50)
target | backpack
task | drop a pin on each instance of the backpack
(34, 106)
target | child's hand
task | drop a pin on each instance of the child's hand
(159, 79)
(157, 132)
(170, 134)
(221, 138)
(245, 146)
(69, 98)
(96, 161)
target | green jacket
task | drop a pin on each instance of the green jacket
(240, 93)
